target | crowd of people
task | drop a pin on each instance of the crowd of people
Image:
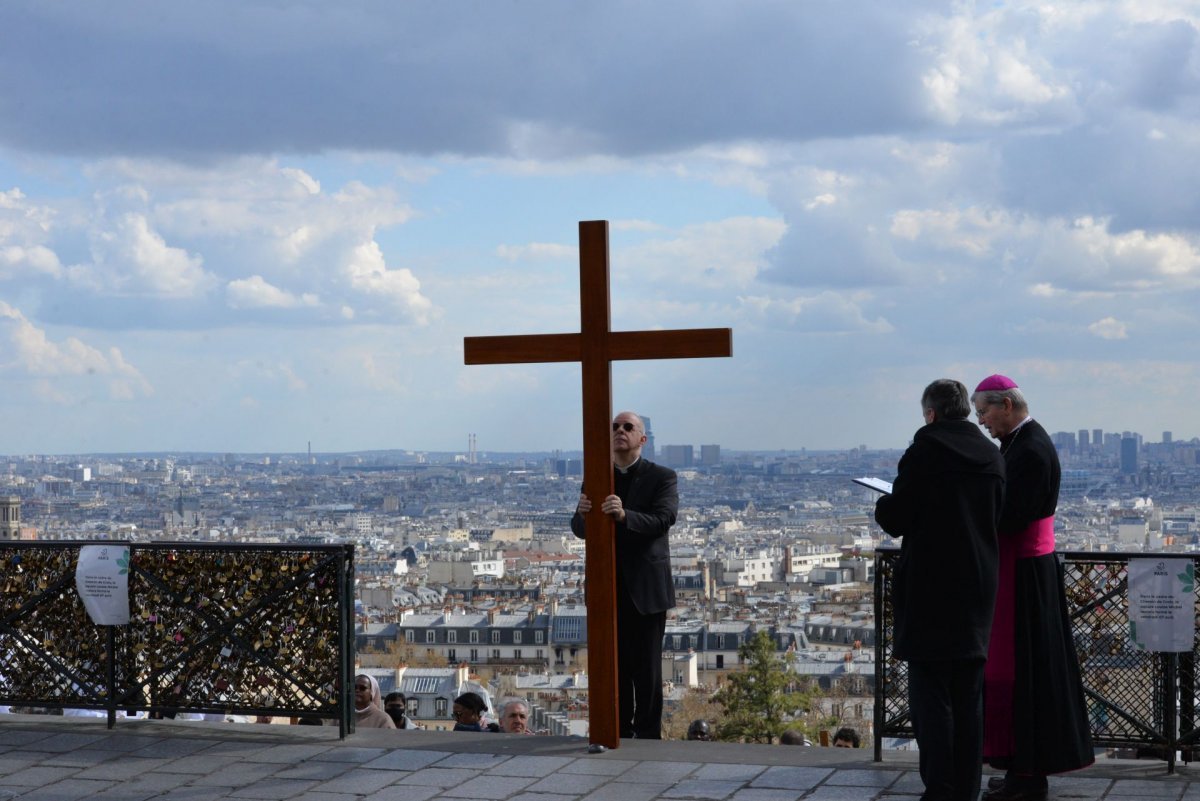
(371, 711)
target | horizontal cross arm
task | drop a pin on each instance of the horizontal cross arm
(687, 343)
(522, 349)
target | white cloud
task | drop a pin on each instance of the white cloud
(1109, 328)
(130, 258)
(986, 72)
(366, 272)
(826, 312)
(14, 260)
(255, 293)
(727, 253)
(31, 352)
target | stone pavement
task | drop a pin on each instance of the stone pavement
(63, 759)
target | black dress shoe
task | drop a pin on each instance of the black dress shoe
(995, 782)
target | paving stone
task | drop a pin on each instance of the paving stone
(272, 788)
(407, 759)
(37, 776)
(125, 767)
(318, 771)
(909, 783)
(237, 774)
(199, 763)
(542, 797)
(122, 741)
(578, 783)
(362, 781)
(68, 790)
(1080, 785)
(353, 756)
(723, 772)
(864, 778)
(68, 741)
(193, 794)
(841, 792)
(1164, 790)
(311, 796)
(441, 777)
(400, 792)
(753, 794)
(791, 778)
(82, 758)
(536, 766)
(627, 791)
(158, 782)
(599, 766)
(476, 761)
(172, 747)
(21, 737)
(702, 788)
(494, 787)
(288, 754)
(658, 772)
(125, 791)
(13, 761)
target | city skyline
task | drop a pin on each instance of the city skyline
(233, 227)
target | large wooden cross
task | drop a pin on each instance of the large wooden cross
(596, 347)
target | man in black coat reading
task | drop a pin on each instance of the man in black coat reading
(643, 506)
(945, 505)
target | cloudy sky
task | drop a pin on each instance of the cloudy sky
(245, 225)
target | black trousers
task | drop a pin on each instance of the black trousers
(639, 669)
(946, 702)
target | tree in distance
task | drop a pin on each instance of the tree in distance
(764, 698)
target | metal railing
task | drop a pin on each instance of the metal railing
(230, 629)
(1136, 699)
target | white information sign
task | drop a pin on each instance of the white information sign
(1162, 604)
(102, 580)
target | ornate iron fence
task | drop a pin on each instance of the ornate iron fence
(1136, 699)
(232, 629)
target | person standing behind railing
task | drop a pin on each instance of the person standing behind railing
(944, 505)
(1035, 720)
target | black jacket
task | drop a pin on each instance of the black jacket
(1034, 475)
(650, 496)
(945, 504)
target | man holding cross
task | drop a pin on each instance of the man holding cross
(643, 506)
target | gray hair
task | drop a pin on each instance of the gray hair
(947, 398)
(996, 397)
(504, 707)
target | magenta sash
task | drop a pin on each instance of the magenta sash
(999, 674)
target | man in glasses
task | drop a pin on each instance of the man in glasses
(643, 506)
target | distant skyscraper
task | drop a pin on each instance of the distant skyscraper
(677, 455)
(648, 448)
(710, 455)
(1097, 438)
(1083, 440)
(1129, 453)
(1167, 438)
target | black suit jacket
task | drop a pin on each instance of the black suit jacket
(651, 502)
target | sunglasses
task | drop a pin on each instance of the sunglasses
(627, 426)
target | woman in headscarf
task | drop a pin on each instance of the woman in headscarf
(368, 704)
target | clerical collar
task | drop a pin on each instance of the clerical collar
(627, 468)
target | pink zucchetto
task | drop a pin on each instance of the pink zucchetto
(996, 382)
